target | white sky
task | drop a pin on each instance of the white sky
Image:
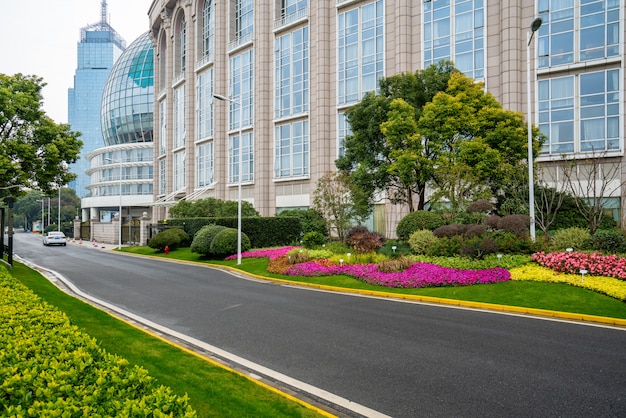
(39, 37)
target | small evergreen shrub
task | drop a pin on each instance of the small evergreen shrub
(313, 239)
(517, 224)
(576, 238)
(475, 231)
(492, 221)
(363, 240)
(297, 256)
(478, 247)
(201, 243)
(447, 231)
(392, 266)
(420, 241)
(171, 238)
(446, 246)
(225, 242)
(610, 240)
(417, 220)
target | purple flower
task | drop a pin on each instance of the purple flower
(272, 253)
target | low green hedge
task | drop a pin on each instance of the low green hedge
(48, 367)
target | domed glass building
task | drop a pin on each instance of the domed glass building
(122, 171)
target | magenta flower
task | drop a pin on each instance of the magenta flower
(272, 253)
(417, 275)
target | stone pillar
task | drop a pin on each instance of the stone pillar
(77, 230)
(144, 223)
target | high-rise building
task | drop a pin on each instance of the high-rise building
(289, 69)
(99, 47)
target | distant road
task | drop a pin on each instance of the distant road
(399, 358)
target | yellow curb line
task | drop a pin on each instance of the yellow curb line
(417, 298)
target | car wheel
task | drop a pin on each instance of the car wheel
(64, 244)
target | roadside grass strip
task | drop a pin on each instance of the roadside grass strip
(609, 286)
(49, 367)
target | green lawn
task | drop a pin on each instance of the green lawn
(213, 390)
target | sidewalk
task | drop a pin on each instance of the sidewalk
(91, 244)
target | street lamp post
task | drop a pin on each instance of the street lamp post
(534, 27)
(239, 104)
(119, 245)
(42, 220)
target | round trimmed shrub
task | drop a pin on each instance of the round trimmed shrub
(172, 238)
(517, 224)
(225, 242)
(576, 238)
(313, 239)
(417, 220)
(202, 240)
(611, 240)
(420, 241)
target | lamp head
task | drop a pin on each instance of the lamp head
(534, 27)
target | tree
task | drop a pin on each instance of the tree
(370, 156)
(477, 147)
(211, 208)
(338, 201)
(34, 150)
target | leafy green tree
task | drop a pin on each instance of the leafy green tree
(477, 146)
(34, 150)
(27, 208)
(337, 199)
(380, 165)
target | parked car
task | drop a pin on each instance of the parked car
(55, 238)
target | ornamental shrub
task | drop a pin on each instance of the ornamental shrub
(517, 224)
(609, 240)
(313, 239)
(363, 240)
(397, 264)
(576, 238)
(420, 241)
(172, 238)
(478, 247)
(448, 231)
(417, 220)
(446, 246)
(225, 242)
(204, 237)
(475, 231)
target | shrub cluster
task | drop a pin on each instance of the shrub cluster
(575, 238)
(609, 240)
(48, 367)
(219, 241)
(363, 240)
(313, 239)
(417, 220)
(171, 238)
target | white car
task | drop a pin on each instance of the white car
(55, 238)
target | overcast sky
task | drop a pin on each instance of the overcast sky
(39, 37)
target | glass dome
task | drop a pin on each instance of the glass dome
(128, 98)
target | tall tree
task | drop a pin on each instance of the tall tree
(34, 150)
(369, 156)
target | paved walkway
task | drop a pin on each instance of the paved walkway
(92, 244)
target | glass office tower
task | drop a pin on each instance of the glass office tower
(99, 47)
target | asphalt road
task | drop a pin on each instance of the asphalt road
(398, 358)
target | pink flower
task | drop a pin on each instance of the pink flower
(272, 253)
(596, 264)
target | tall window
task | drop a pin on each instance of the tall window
(247, 158)
(208, 29)
(291, 150)
(181, 44)
(244, 18)
(291, 56)
(204, 164)
(343, 130)
(179, 170)
(289, 7)
(455, 31)
(162, 127)
(162, 178)
(592, 99)
(204, 104)
(577, 31)
(242, 89)
(179, 117)
(360, 52)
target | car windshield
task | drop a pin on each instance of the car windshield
(56, 234)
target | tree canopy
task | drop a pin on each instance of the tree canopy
(34, 150)
(211, 208)
(435, 129)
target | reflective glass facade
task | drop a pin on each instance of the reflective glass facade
(128, 98)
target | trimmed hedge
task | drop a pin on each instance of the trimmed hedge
(204, 237)
(171, 238)
(225, 242)
(263, 232)
(48, 367)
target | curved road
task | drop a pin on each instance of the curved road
(397, 358)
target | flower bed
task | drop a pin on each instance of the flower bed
(417, 275)
(609, 286)
(596, 264)
(272, 253)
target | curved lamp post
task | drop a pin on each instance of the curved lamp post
(534, 27)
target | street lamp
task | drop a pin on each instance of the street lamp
(119, 245)
(534, 27)
(238, 103)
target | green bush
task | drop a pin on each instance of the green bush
(310, 219)
(610, 240)
(201, 243)
(225, 242)
(415, 221)
(420, 241)
(576, 238)
(313, 239)
(394, 248)
(172, 238)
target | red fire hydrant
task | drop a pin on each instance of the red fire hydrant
(167, 249)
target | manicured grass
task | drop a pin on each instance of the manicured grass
(213, 391)
(528, 294)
